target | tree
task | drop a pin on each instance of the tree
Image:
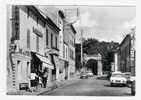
(93, 46)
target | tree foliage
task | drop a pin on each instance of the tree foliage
(94, 46)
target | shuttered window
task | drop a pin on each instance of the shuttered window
(37, 43)
(56, 42)
(51, 40)
(28, 38)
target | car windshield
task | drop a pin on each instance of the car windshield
(117, 75)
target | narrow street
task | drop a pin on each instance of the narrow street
(90, 87)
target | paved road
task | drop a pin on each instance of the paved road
(90, 87)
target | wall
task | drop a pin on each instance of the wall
(69, 38)
(125, 55)
(61, 24)
(27, 23)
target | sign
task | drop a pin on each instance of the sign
(26, 53)
(36, 31)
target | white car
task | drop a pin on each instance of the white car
(83, 75)
(89, 74)
(132, 78)
(118, 79)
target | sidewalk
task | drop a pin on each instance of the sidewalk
(43, 90)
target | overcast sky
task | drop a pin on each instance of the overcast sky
(106, 23)
(103, 23)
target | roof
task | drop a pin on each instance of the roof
(37, 12)
(52, 24)
(70, 27)
(127, 37)
(74, 31)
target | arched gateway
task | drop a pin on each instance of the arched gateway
(98, 58)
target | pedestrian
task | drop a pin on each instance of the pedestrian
(45, 76)
(36, 82)
(33, 81)
(40, 81)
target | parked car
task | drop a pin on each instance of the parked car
(118, 79)
(127, 76)
(89, 74)
(83, 75)
(110, 73)
(132, 78)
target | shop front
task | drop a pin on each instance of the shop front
(41, 65)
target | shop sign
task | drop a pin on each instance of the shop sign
(38, 32)
(26, 53)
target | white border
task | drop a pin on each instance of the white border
(3, 39)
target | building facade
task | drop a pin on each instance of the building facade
(69, 38)
(52, 48)
(35, 43)
(127, 53)
(26, 46)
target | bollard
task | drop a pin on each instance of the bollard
(133, 88)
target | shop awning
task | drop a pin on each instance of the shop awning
(46, 61)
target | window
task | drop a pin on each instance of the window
(27, 12)
(56, 42)
(51, 40)
(27, 70)
(63, 51)
(71, 54)
(37, 43)
(46, 37)
(66, 53)
(28, 38)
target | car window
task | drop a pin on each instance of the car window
(117, 75)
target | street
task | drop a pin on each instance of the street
(89, 87)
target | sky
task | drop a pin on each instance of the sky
(105, 23)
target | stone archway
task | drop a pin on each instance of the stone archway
(98, 58)
(91, 66)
